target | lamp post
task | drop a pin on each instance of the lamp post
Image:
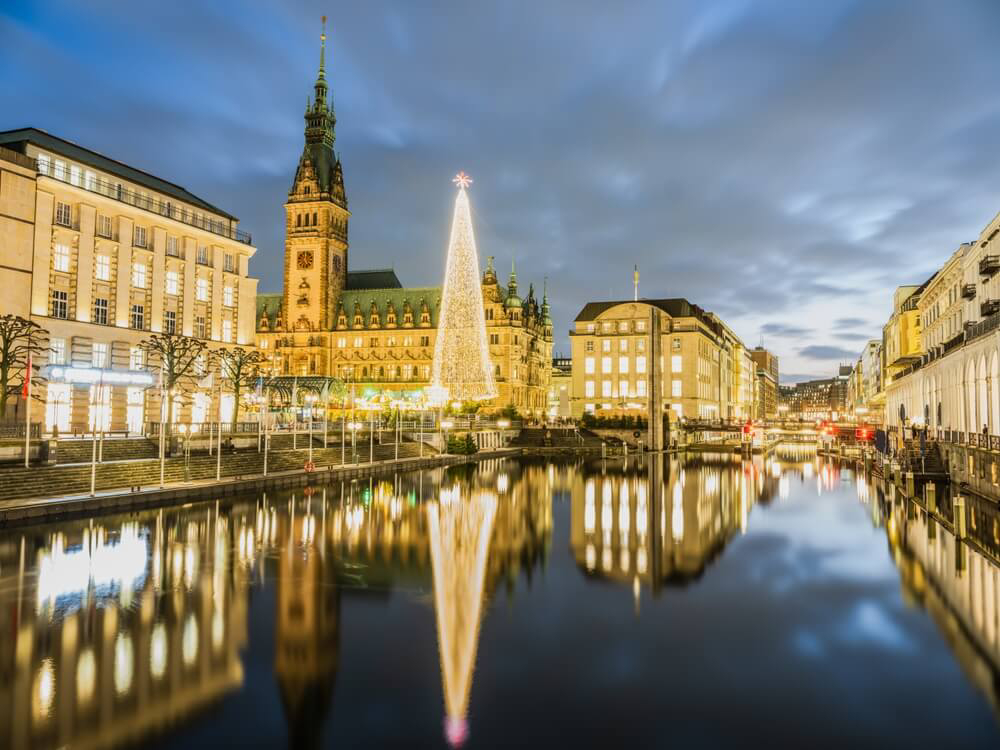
(353, 426)
(310, 401)
(503, 424)
(184, 431)
(446, 424)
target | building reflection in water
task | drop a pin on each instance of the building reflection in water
(127, 626)
(661, 521)
(118, 628)
(948, 555)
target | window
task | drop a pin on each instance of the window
(60, 258)
(494, 339)
(228, 263)
(102, 268)
(139, 275)
(201, 290)
(101, 311)
(640, 364)
(623, 345)
(173, 283)
(373, 342)
(589, 388)
(640, 345)
(391, 341)
(342, 342)
(675, 389)
(133, 409)
(589, 346)
(606, 345)
(227, 331)
(623, 326)
(605, 364)
(170, 321)
(425, 341)
(74, 174)
(606, 326)
(640, 388)
(407, 340)
(137, 318)
(135, 359)
(44, 163)
(57, 351)
(60, 170)
(357, 342)
(489, 313)
(675, 363)
(199, 326)
(172, 246)
(104, 228)
(90, 180)
(64, 214)
(139, 237)
(640, 325)
(99, 356)
(676, 345)
(588, 365)
(227, 296)
(606, 388)
(60, 304)
(623, 365)
(203, 255)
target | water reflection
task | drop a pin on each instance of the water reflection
(947, 550)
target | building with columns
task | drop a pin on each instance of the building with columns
(102, 255)
(955, 384)
(363, 326)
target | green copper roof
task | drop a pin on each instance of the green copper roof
(272, 301)
(414, 295)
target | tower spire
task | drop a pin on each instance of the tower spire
(321, 75)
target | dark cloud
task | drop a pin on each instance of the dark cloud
(785, 331)
(772, 162)
(849, 322)
(819, 351)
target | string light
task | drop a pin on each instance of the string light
(462, 365)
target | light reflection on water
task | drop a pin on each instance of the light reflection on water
(129, 627)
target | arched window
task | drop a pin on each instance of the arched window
(315, 220)
(364, 372)
(381, 372)
(298, 220)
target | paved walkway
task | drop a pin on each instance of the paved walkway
(23, 510)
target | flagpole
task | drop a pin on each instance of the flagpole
(27, 414)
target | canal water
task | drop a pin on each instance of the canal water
(701, 601)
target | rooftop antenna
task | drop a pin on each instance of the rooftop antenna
(635, 283)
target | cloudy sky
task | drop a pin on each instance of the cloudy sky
(784, 164)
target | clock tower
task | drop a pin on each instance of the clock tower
(316, 219)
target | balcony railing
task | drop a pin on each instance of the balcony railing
(989, 265)
(989, 307)
(16, 157)
(16, 429)
(969, 291)
(182, 214)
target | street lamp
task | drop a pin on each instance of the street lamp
(503, 424)
(187, 452)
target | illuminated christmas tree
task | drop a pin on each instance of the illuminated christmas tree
(462, 367)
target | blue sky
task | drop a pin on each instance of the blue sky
(784, 164)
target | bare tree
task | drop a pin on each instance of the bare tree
(181, 361)
(241, 367)
(20, 338)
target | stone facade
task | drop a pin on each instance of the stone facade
(103, 255)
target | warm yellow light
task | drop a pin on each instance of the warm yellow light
(447, 424)
(503, 424)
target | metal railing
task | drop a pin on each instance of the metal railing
(203, 428)
(171, 210)
(16, 429)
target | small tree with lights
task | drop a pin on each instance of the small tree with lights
(180, 360)
(20, 340)
(241, 368)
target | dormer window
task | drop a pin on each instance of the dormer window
(306, 190)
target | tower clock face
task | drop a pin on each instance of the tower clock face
(305, 259)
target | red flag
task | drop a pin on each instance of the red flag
(26, 388)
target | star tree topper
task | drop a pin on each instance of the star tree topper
(462, 180)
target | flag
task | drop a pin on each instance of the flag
(26, 388)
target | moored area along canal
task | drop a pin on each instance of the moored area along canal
(693, 601)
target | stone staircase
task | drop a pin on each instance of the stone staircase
(930, 463)
(118, 449)
(49, 481)
(540, 437)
